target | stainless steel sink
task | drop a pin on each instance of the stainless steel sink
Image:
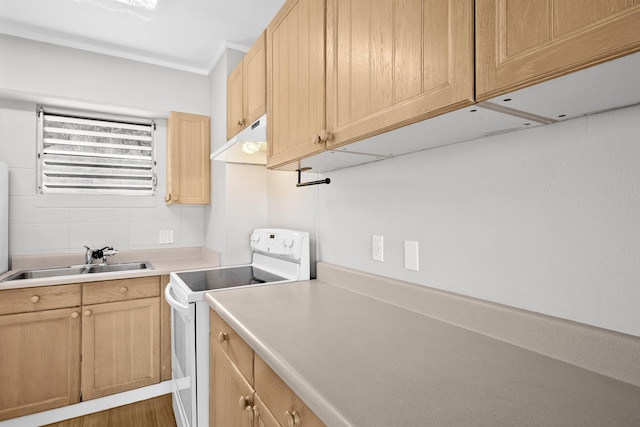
(126, 266)
(78, 269)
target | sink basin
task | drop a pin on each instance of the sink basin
(45, 272)
(126, 266)
(78, 269)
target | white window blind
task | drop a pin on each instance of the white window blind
(95, 155)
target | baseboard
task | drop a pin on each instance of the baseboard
(89, 407)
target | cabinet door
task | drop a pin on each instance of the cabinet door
(395, 62)
(283, 403)
(296, 82)
(231, 397)
(235, 102)
(255, 81)
(165, 333)
(120, 346)
(263, 417)
(188, 147)
(39, 361)
(520, 43)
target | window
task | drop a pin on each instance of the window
(84, 153)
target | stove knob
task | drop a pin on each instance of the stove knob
(288, 242)
(255, 237)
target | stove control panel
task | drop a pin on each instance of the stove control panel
(280, 242)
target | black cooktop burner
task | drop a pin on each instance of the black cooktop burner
(226, 277)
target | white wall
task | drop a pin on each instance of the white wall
(546, 219)
(245, 197)
(42, 72)
(33, 72)
(238, 192)
(294, 207)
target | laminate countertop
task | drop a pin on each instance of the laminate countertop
(361, 360)
(164, 261)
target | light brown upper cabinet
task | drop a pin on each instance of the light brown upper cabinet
(520, 43)
(246, 89)
(395, 62)
(296, 82)
(188, 165)
(389, 63)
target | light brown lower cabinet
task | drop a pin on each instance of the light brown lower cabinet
(120, 347)
(231, 394)
(263, 417)
(39, 361)
(165, 333)
(120, 335)
(66, 343)
(254, 397)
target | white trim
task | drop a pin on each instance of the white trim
(89, 407)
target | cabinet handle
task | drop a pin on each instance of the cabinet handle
(87, 313)
(123, 289)
(167, 197)
(293, 419)
(245, 402)
(324, 135)
(223, 336)
(35, 299)
(75, 315)
(241, 122)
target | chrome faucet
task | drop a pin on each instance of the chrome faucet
(103, 253)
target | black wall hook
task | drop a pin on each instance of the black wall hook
(304, 184)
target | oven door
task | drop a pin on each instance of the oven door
(183, 356)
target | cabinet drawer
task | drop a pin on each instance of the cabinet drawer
(120, 290)
(26, 300)
(235, 348)
(283, 403)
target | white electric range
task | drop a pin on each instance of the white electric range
(278, 256)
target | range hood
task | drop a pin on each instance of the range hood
(247, 147)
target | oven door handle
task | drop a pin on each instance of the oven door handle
(177, 305)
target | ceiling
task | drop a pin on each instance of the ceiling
(189, 35)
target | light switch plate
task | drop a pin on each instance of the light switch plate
(377, 248)
(165, 237)
(411, 259)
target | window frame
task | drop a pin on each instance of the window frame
(43, 110)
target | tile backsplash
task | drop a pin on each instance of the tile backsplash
(65, 223)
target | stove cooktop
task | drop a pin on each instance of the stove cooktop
(227, 277)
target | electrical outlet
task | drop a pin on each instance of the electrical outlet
(411, 256)
(377, 248)
(165, 237)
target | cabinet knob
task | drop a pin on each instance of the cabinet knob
(245, 402)
(316, 139)
(223, 336)
(75, 315)
(35, 299)
(241, 122)
(167, 197)
(324, 135)
(123, 290)
(293, 419)
(87, 313)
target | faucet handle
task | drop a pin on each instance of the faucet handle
(109, 251)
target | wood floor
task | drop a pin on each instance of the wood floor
(156, 412)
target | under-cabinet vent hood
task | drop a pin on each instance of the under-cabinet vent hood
(248, 147)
